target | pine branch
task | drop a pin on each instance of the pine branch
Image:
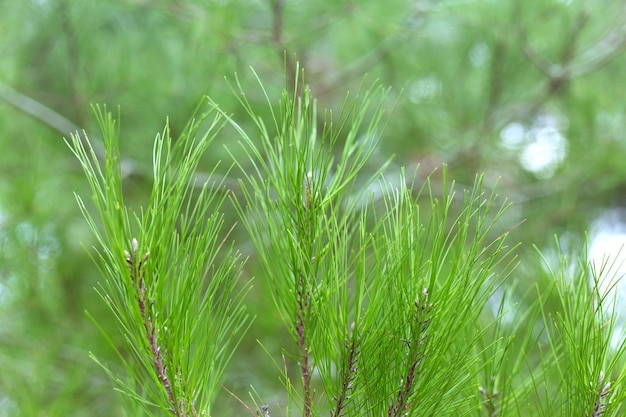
(194, 287)
(303, 300)
(604, 391)
(489, 401)
(415, 355)
(137, 276)
(348, 376)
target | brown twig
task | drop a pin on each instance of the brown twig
(419, 335)
(135, 266)
(348, 375)
(489, 398)
(303, 299)
(604, 391)
(303, 296)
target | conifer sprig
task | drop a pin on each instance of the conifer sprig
(396, 296)
(174, 288)
(364, 287)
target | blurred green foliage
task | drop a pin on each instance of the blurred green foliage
(476, 85)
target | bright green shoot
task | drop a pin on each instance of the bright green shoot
(169, 280)
(379, 298)
(398, 291)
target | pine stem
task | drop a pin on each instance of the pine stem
(604, 391)
(303, 305)
(349, 373)
(303, 301)
(415, 354)
(489, 403)
(137, 276)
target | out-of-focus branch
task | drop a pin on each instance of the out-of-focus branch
(73, 59)
(364, 63)
(569, 50)
(559, 74)
(278, 39)
(59, 123)
(602, 52)
(66, 128)
(47, 116)
(496, 84)
(571, 63)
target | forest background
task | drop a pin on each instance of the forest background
(530, 93)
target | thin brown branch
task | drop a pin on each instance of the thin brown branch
(489, 398)
(419, 334)
(603, 391)
(303, 294)
(135, 266)
(348, 375)
(303, 299)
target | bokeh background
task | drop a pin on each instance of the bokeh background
(530, 92)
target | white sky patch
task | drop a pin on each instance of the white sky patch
(512, 136)
(540, 148)
(479, 54)
(424, 89)
(607, 252)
